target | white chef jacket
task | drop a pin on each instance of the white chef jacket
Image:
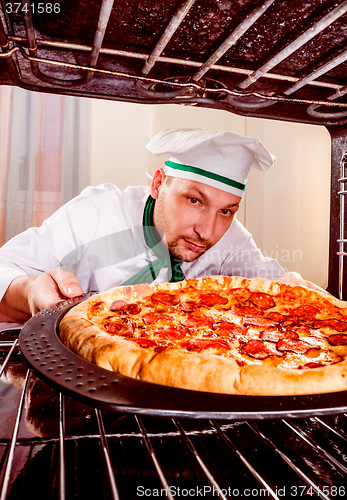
(99, 235)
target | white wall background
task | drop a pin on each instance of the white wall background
(286, 209)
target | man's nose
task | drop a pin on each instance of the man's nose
(205, 226)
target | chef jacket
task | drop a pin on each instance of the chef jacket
(99, 235)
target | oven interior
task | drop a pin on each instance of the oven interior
(278, 59)
(57, 447)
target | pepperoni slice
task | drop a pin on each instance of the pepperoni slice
(192, 321)
(277, 316)
(340, 326)
(202, 344)
(173, 332)
(304, 332)
(188, 306)
(212, 299)
(292, 345)
(241, 294)
(169, 299)
(258, 350)
(275, 336)
(231, 327)
(144, 342)
(118, 304)
(262, 300)
(285, 321)
(257, 321)
(119, 326)
(123, 307)
(153, 317)
(305, 311)
(289, 322)
(338, 339)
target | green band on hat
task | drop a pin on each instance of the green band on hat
(206, 173)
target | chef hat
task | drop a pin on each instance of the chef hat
(219, 159)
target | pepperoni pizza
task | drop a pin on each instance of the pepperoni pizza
(216, 334)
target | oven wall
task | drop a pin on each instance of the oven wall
(286, 209)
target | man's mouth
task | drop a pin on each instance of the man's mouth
(194, 247)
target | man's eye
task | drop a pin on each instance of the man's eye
(225, 211)
(194, 201)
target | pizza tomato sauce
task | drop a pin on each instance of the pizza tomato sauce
(250, 327)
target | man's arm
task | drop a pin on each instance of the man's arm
(27, 295)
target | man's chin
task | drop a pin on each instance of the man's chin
(185, 254)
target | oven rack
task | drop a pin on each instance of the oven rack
(74, 451)
(161, 73)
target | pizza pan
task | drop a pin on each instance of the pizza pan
(48, 357)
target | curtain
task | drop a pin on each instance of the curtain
(6, 99)
(44, 156)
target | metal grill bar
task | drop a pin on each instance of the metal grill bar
(4, 43)
(153, 456)
(331, 429)
(10, 456)
(305, 437)
(174, 23)
(251, 469)
(341, 252)
(328, 19)
(232, 39)
(104, 15)
(188, 443)
(317, 73)
(164, 40)
(9, 354)
(287, 460)
(107, 457)
(311, 110)
(62, 471)
(105, 12)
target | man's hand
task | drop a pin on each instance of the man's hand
(297, 279)
(27, 295)
(52, 287)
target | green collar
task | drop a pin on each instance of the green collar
(154, 242)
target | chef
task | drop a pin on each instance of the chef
(182, 226)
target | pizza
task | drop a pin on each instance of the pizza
(216, 334)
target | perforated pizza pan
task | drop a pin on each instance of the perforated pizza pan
(48, 357)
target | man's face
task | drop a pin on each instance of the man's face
(192, 215)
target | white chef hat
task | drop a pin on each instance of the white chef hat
(219, 159)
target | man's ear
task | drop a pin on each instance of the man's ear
(157, 182)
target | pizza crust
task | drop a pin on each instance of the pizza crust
(197, 371)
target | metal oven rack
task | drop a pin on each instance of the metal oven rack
(342, 240)
(55, 447)
(44, 47)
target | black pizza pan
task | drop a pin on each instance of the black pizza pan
(50, 360)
